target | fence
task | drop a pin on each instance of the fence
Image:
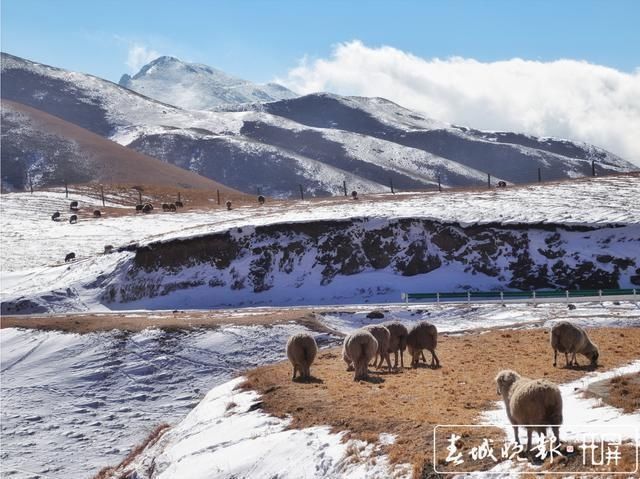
(525, 296)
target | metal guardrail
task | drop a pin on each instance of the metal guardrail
(524, 296)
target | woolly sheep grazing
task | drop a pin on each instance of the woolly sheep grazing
(397, 340)
(423, 335)
(569, 338)
(358, 349)
(301, 351)
(382, 335)
(530, 401)
(55, 216)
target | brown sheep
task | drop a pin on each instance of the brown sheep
(358, 349)
(423, 335)
(569, 338)
(301, 351)
(530, 401)
(382, 335)
(397, 341)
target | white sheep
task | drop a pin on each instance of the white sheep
(383, 336)
(530, 402)
(397, 340)
(358, 349)
(423, 335)
(301, 351)
(569, 338)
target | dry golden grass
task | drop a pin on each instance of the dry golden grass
(621, 391)
(410, 403)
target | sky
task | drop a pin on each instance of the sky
(487, 64)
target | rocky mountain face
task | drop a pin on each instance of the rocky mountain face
(366, 258)
(198, 87)
(318, 141)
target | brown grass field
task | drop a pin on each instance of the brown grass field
(410, 403)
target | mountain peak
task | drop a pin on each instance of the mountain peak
(197, 86)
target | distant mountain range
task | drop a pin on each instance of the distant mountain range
(318, 141)
(198, 87)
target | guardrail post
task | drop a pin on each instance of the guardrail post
(567, 291)
(600, 295)
(534, 298)
(438, 297)
(634, 294)
(502, 298)
(468, 296)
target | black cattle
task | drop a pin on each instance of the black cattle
(139, 208)
(228, 205)
(179, 204)
(354, 194)
(108, 249)
(69, 257)
(73, 206)
(502, 184)
(261, 199)
(165, 206)
(147, 208)
(97, 214)
(73, 219)
(55, 216)
(172, 207)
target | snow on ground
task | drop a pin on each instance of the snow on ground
(224, 437)
(103, 392)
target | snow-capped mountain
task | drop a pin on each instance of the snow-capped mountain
(318, 141)
(198, 87)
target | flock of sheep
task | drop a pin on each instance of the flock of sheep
(533, 403)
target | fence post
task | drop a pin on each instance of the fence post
(534, 297)
(391, 184)
(218, 195)
(539, 175)
(301, 192)
(593, 167)
(600, 295)
(139, 197)
(66, 190)
(344, 187)
(634, 294)
(567, 291)
(179, 196)
(489, 180)
(102, 194)
(439, 185)
(502, 298)
(468, 296)
(438, 297)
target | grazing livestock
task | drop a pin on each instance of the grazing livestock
(228, 205)
(69, 257)
(108, 249)
(502, 184)
(423, 335)
(73, 219)
(97, 214)
(73, 206)
(569, 338)
(147, 208)
(261, 199)
(358, 349)
(179, 204)
(165, 206)
(301, 351)
(139, 207)
(354, 195)
(535, 402)
(172, 207)
(55, 216)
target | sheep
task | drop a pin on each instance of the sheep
(55, 216)
(301, 351)
(73, 206)
(358, 349)
(397, 341)
(530, 402)
(69, 257)
(423, 335)
(97, 213)
(382, 335)
(569, 338)
(73, 219)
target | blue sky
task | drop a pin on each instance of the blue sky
(260, 40)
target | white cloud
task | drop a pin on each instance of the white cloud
(564, 98)
(139, 55)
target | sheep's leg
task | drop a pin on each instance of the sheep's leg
(295, 369)
(556, 433)
(434, 357)
(566, 360)
(402, 358)
(388, 361)
(515, 434)
(555, 357)
(529, 433)
(574, 361)
(395, 359)
(424, 360)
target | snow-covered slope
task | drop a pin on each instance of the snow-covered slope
(317, 141)
(582, 233)
(198, 87)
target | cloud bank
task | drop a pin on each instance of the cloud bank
(139, 55)
(564, 98)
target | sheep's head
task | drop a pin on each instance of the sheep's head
(592, 354)
(505, 379)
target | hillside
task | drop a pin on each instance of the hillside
(194, 86)
(51, 151)
(317, 141)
